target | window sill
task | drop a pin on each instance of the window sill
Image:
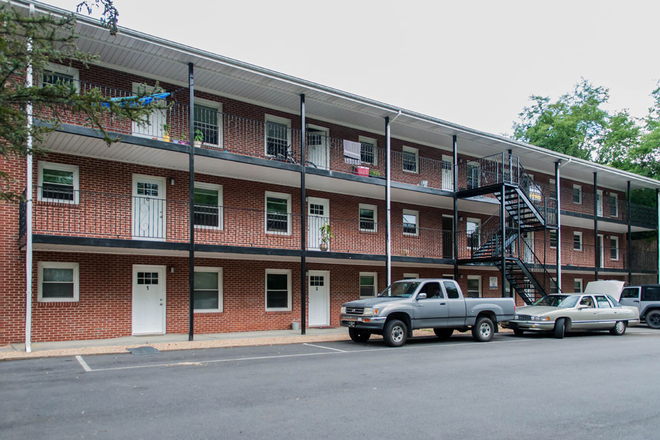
(208, 311)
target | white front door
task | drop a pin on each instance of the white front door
(447, 173)
(599, 202)
(318, 211)
(148, 299)
(601, 251)
(318, 151)
(528, 249)
(154, 127)
(319, 298)
(148, 208)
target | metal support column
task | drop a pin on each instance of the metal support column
(28, 205)
(629, 235)
(191, 205)
(303, 213)
(388, 200)
(558, 247)
(657, 201)
(455, 232)
(597, 245)
(503, 226)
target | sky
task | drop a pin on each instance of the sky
(474, 63)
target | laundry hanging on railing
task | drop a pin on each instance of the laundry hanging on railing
(352, 151)
(134, 101)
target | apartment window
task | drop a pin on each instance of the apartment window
(577, 194)
(368, 218)
(614, 205)
(614, 248)
(55, 75)
(410, 222)
(278, 137)
(278, 290)
(410, 159)
(58, 183)
(472, 227)
(58, 282)
(577, 285)
(410, 276)
(207, 121)
(553, 239)
(208, 289)
(278, 213)
(553, 286)
(474, 286)
(368, 284)
(577, 241)
(368, 151)
(208, 205)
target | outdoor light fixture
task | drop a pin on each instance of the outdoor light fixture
(171, 180)
(171, 269)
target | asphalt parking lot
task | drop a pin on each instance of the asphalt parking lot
(584, 386)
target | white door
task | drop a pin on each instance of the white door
(148, 208)
(148, 299)
(318, 151)
(528, 249)
(601, 251)
(447, 173)
(319, 298)
(157, 119)
(599, 202)
(318, 215)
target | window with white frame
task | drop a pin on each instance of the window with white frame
(278, 290)
(410, 159)
(208, 121)
(577, 285)
(472, 228)
(368, 218)
(554, 288)
(58, 183)
(208, 289)
(614, 205)
(278, 137)
(56, 75)
(368, 284)
(474, 286)
(410, 276)
(208, 206)
(410, 222)
(368, 151)
(614, 248)
(278, 213)
(58, 282)
(577, 194)
(553, 239)
(473, 174)
(577, 241)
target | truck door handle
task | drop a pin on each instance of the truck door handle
(442, 304)
(636, 301)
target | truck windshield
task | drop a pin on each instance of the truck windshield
(563, 301)
(401, 289)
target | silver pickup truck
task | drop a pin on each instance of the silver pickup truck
(424, 303)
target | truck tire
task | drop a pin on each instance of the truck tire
(653, 319)
(359, 335)
(483, 329)
(443, 333)
(619, 329)
(395, 333)
(560, 328)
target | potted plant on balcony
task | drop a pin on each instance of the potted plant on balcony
(326, 235)
(199, 138)
(375, 173)
(166, 132)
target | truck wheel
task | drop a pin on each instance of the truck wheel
(518, 332)
(395, 333)
(653, 319)
(483, 329)
(560, 328)
(619, 329)
(358, 335)
(443, 333)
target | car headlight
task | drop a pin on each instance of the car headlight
(540, 318)
(368, 311)
(342, 310)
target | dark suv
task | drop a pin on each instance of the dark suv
(647, 299)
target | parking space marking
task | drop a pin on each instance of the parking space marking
(83, 364)
(327, 348)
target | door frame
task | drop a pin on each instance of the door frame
(326, 133)
(162, 274)
(601, 251)
(318, 201)
(453, 234)
(163, 184)
(153, 132)
(326, 275)
(450, 187)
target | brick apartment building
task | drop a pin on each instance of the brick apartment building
(110, 225)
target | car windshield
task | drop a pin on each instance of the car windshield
(562, 301)
(614, 302)
(401, 289)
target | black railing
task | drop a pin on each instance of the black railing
(22, 216)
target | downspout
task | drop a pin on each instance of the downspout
(388, 195)
(558, 247)
(657, 198)
(28, 207)
(629, 236)
(191, 204)
(597, 245)
(303, 213)
(455, 231)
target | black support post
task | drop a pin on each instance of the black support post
(455, 232)
(558, 247)
(388, 200)
(629, 250)
(503, 226)
(597, 245)
(303, 213)
(191, 205)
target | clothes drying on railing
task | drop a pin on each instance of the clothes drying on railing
(352, 151)
(135, 101)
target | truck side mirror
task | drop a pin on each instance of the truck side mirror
(421, 296)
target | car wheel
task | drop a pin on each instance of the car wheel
(443, 333)
(653, 319)
(518, 332)
(358, 335)
(619, 329)
(483, 330)
(560, 328)
(395, 333)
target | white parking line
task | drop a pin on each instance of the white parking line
(327, 348)
(82, 362)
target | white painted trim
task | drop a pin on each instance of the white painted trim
(162, 275)
(410, 276)
(614, 196)
(416, 214)
(287, 272)
(221, 213)
(326, 278)
(163, 198)
(66, 70)
(581, 282)
(374, 208)
(219, 271)
(410, 150)
(578, 234)
(368, 274)
(58, 265)
(476, 277)
(288, 211)
(59, 167)
(613, 240)
(599, 206)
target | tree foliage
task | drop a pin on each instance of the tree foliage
(37, 41)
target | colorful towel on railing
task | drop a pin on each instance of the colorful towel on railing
(352, 151)
(135, 101)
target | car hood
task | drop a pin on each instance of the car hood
(536, 310)
(370, 302)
